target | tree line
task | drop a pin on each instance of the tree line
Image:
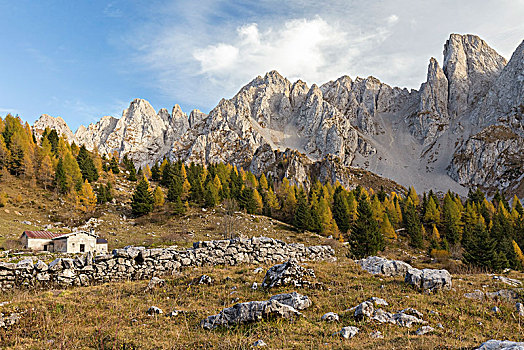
(482, 232)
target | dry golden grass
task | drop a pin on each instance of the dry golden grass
(113, 316)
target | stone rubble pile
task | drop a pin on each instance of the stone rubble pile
(289, 273)
(135, 263)
(9, 320)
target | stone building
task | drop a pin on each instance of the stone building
(74, 242)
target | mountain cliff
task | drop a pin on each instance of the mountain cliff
(462, 128)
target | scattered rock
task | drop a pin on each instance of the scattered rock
(476, 294)
(501, 345)
(378, 301)
(347, 332)
(428, 279)
(258, 270)
(503, 295)
(520, 309)
(439, 325)
(330, 317)
(288, 273)
(205, 279)
(249, 312)
(378, 265)
(495, 309)
(294, 299)
(25, 222)
(155, 282)
(175, 313)
(12, 319)
(254, 286)
(424, 330)
(153, 310)
(506, 280)
(376, 335)
(412, 311)
(259, 344)
(400, 318)
(364, 309)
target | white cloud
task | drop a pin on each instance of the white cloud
(199, 53)
(392, 19)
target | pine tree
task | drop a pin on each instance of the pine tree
(517, 205)
(341, 210)
(365, 238)
(142, 200)
(113, 165)
(412, 224)
(60, 181)
(412, 194)
(247, 201)
(155, 172)
(302, 218)
(174, 190)
(210, 195)
(86, 165)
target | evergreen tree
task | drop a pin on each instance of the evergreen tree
(412, 224)
(52, 137)
(142, 200)
(451, 219)
(211, 197)
(155, 172)
(113, 165)
(86, 165)
(60, 181)
(341, 210)
(481, 249)
(365, 238)
(247, 200)
(302, 219)
(174, 190)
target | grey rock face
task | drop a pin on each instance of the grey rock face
(429, 279)
(288, 273)
(378, 265)
(501, 345)
(360, 122)
(400, 318)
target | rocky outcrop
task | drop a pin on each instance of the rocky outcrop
(58, 124)
(429, 279)
(134, 263)
(253, 311)
(378, 265)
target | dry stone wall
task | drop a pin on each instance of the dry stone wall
(135, 263)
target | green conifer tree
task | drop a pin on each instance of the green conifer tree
(365, 238)
(142, 200)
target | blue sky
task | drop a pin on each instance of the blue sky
(84, 59)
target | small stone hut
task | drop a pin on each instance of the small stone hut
(74, 242)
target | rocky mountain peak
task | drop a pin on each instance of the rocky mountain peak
(58, 124)
(470, 66)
